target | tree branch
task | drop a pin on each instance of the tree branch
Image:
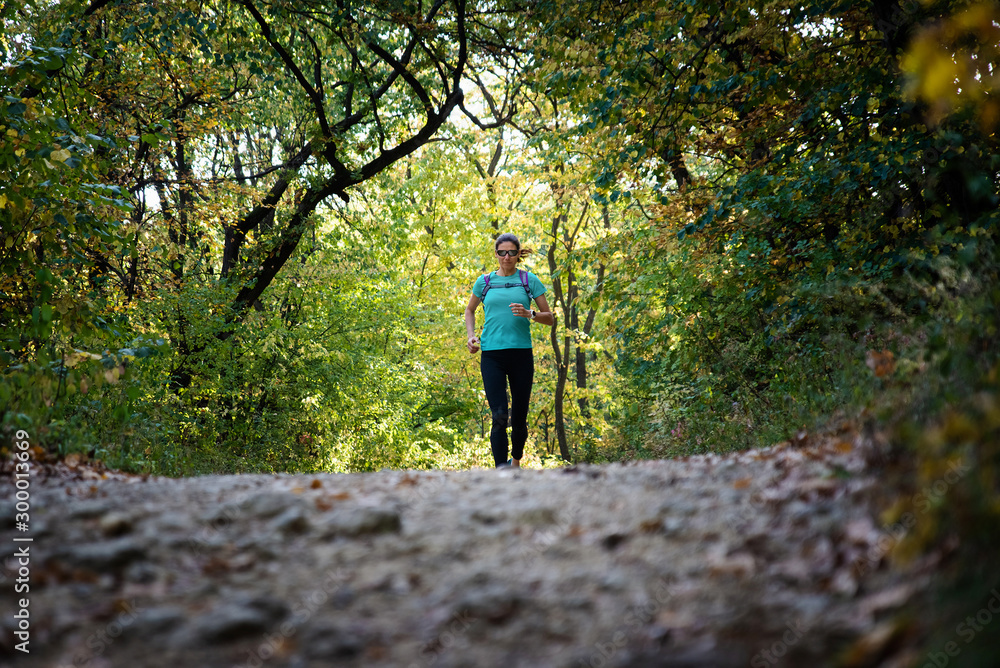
(316, 97)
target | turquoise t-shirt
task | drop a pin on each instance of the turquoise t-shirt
(502, 328)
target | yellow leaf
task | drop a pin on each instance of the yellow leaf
(977, 17)
(62, 155)
(939, 79)
(3, 201)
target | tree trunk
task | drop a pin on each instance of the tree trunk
(558, 354)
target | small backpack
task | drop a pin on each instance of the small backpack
(524, 283)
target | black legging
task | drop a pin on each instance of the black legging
(498, 366)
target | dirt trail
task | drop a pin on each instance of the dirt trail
(762, 558)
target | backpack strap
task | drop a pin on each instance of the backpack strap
(524, 283)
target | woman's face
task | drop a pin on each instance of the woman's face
(507, 262)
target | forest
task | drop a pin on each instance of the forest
(238, 235)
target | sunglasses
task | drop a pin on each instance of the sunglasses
(508, 253)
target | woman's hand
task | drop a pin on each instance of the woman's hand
(473, 344)
(519, 310)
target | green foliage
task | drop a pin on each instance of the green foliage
(820, 215)
(231, 126)
(59, 224)
(57, 221)
(738, 225)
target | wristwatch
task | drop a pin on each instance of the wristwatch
(533, 314)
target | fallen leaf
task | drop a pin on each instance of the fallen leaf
(843, 447)
(324, 503)
(888, 599)
(845, 582)
(739, 564)
(820, 485)
(651, 526)
(871, 646)
(881, 362)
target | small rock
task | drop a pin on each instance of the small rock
(88, 509)
(485, 516)
(268, 504)
(155, 622)
(577, 602)
(82, 590)
(362, 520)
(171, 523)
(613, 540)
(844, 582)
(672, 526)
(738, 564)
(273, 607)
(141, 572)
(493, 604)
(231, 621)
(40, 528)
(293, 520)
(264, 505)
(115, 524)
(538, 516)
(201, 544)
(263, 546)
(326, 640)
(223, 517)
(104, 557)
(613, 580)
(343, 598)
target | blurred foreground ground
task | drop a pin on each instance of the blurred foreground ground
(763, 558)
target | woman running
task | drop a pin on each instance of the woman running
(506, 296)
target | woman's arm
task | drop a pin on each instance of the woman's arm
(470, 323)
(542, 315)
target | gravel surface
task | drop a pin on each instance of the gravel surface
(761, 558)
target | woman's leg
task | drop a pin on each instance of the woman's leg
(495, 383)
(521, 371)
